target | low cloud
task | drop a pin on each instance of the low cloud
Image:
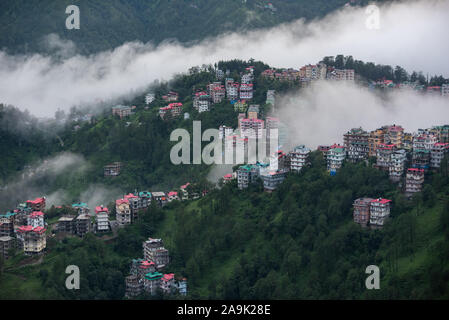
(412, 34)
(322, 113)
(97, 194)
(36, 181)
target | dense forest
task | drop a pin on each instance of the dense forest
(297, 243)
(104, 26)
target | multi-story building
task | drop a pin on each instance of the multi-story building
(201, 102)
(298, 158)
(379, 212)
(313, 72)
(397, 164)
(414, 180)
(33, 240)
(393, 135)
(271, 179)
(424, 141)
(173, 110)
(335, 158)
(112, 169)
(160, 198)
(376, 138)
(384, 152)
(122, 111)
(145, 199)
(123, 211)
(7, 222)
(362, 210)
(246, 175)
(66, 224)
(102, 218)
(217, 93)
(6, 244)
(36, 219)
(152, 282)
(133, 286)
(407, 141)
(246, 91)
(252, 128)
(219, 74)
(442, 133)
(341, 74)
(83, 225)
(356, 144)
(437, 154)
(135, 204)
(232, 91)
(153, 250)
(37, 204)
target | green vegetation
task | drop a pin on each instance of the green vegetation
(108, 25)
(297, 243)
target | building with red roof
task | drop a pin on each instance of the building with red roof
(32, 239)
(37, 204)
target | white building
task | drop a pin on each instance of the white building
(379, 211)
(299, 158)
(335, 158)
(36, 219)
(102, 218)
(397, 164)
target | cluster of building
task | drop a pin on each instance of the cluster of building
(24, 228)
(372, 212)
(146, 276)
(233, 91)
(442, 90)
(309, 73)
(396, 152)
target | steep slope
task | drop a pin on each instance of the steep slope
(107, 25)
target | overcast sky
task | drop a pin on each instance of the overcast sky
(411, 34)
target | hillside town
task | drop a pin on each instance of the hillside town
(407, 157)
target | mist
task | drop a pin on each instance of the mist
(411, 34)
(38, 179)
(322, 113)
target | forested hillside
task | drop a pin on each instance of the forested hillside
(105, 25)
(296, 243)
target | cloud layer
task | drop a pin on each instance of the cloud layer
(411, 34)
(325, 111)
